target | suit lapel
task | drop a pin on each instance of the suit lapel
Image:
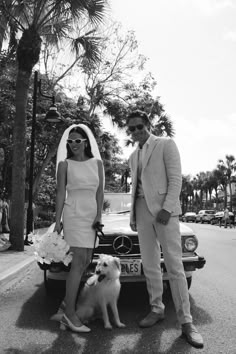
(150, 148)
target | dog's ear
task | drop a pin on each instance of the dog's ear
(117, 262)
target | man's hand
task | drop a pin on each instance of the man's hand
(163, 216)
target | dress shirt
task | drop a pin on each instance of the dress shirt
(141, 154)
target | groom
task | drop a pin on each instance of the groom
(156, 185)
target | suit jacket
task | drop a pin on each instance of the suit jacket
(161, 176)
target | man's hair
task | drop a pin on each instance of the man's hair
(139, 114)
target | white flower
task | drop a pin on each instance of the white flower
(51, 247)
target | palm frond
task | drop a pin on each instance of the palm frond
(90, 45)
(94, 9)
(55, 31)
(164, 126)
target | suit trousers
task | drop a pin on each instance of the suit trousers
(151, 235)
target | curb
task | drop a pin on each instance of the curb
(10, 274)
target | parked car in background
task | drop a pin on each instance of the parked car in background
(189, 216)
(205, 216)
(119, 240)
(219, 218)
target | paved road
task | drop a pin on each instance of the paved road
(25, 327)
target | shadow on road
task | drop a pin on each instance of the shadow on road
(163, 338)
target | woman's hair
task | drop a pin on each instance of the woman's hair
(87, 149)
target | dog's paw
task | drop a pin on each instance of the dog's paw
(121, 325)
(108, 326)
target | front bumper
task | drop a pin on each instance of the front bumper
(191, 262)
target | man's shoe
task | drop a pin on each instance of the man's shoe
(151, 319)
(193, 337)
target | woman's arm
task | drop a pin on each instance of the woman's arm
(100, 191)
(61, 193)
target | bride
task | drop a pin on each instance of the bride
(79, 202)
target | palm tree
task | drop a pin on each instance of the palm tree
(227, 167)
(53, 21)
(208, 187)
(215, 182)
(199, 185)
(186, 195)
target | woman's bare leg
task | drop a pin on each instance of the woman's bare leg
(80, 261)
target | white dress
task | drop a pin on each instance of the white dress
(80, 207)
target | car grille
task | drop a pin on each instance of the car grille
(123, 245)
(118, 245)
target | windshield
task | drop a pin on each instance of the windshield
(116, 202)
(210, 212)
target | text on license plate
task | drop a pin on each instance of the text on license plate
(130, 267)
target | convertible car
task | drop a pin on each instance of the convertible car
(119, 240)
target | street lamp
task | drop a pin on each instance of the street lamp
(52, 116)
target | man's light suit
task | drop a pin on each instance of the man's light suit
(161, 182)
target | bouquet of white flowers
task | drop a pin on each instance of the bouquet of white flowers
(51, 248)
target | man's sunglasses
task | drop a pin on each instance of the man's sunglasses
(132, 128)
(77, 141)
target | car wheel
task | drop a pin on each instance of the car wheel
(189, 282)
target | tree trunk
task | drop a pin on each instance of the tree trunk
(28, 51)
(230, 194)
(19, 163)
(225, 192)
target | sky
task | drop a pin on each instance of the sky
(191, 46)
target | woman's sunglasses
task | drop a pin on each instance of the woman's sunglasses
(77, 141)
(132, 128)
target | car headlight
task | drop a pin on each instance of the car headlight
(190, 244)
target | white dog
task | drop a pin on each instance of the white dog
(100, 291)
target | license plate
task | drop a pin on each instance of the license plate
(130, 267)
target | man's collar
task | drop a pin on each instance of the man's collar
(147, 142)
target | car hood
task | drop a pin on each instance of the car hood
(119, 223)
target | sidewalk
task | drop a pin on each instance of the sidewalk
(12, 263)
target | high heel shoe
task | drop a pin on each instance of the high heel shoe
(66, 323)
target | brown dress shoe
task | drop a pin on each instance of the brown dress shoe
(151, 319)
(191, 334)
